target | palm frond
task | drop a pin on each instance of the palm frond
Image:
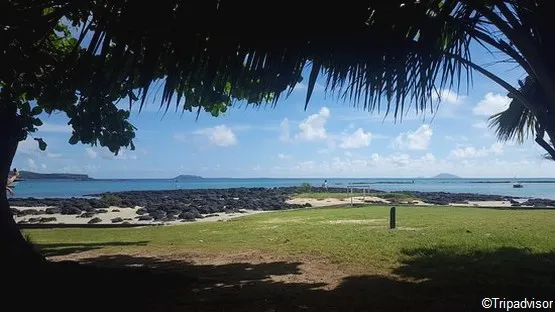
(514, 123)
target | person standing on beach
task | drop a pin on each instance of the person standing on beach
(325, 185)
(11, 180)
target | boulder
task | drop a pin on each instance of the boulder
(53, 210)
(47, 219)
(94, 220)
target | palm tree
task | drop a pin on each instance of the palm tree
(395, 53)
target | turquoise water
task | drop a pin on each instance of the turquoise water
(540, 188)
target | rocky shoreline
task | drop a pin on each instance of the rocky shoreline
(190, 205)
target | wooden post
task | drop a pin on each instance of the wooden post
(363, 193)
(392, 218)
(351, 196)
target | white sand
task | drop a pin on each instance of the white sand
(378, 200)
(491, 203)
(127, 214)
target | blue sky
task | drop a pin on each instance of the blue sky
(329, 139)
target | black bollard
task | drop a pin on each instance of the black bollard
(392, 218)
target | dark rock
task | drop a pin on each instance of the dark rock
(34, 220)
(22, 222)
(28, 212)
(141, 211)
(539, 203)
(115, 210)
(94, 220)
(187, 216)
(101, 210)
(70, 210)
(87, 215)
(47, 219)
(53, 210)
(145, 218)
(116, 220)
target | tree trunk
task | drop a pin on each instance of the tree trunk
(14, 249)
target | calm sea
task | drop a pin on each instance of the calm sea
(539, 188)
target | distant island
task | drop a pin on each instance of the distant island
(187, 177)
(446, 176)
(28, 175)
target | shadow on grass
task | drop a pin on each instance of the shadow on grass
(62, 249)
(440, 279)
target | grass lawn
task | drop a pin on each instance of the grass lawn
(437, 257)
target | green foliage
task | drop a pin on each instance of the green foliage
(112, 199)
(305, 188)
(42, 144)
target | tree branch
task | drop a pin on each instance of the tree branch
(541, 142)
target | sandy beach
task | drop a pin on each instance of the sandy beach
(125, 216)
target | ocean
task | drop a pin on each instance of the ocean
(536, 188)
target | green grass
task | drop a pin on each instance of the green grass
(350, 236)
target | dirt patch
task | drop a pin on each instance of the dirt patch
(322, 273)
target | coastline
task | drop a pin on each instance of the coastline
(210, 205)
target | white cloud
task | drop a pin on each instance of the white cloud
(55, 128)
(491, 104)
(356, 139)
(303, 87)
(30, 147)
(53, 155)
(313, 127)
(91, 168)
(306, 165)
(31, 163)
(429, 157)
(414, 140)
(220, 135)
(348, 154)
(42, 166)
(122, 155)
(480, 125)
(448, 96)
(284, 130)
(456, 138)
(472, 152)
(90, 152)
(284, 156)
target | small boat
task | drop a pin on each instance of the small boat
(517, 184)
